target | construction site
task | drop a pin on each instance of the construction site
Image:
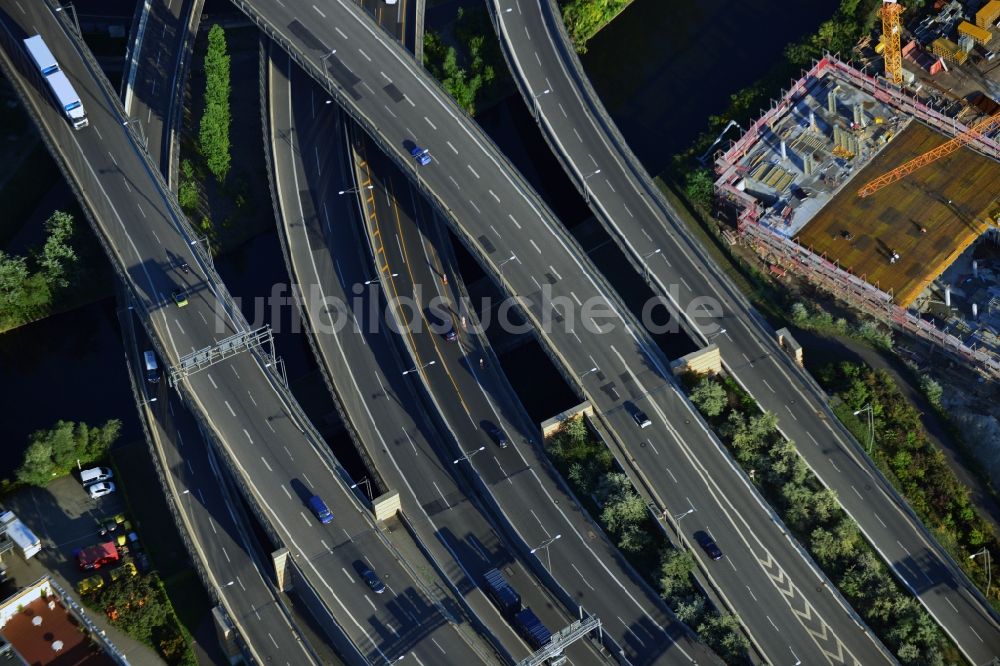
(874, 188)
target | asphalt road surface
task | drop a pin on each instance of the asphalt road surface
(280, 462)
(328, 261)
(644, 225)
(517, 239)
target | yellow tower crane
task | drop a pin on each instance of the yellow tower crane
(891, 30)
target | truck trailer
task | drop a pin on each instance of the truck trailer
(62, 90)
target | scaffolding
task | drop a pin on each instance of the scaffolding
(790, 255)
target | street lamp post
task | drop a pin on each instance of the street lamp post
(467, 455)
(989, 568)
(721, 331)
(374, 280)
(356, 190)
(645, 268)
(871, 424)
(142, 133)
(76, 19)
(545, 546)
(326, 73)
(586, 189)
(534, 102)
(419, 367)
(366, 483)
(503, 263)
(594, 369)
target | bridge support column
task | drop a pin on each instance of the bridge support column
(282, 573)
(226, 634)
(386, 506)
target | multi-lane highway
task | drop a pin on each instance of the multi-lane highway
(216, 533)
(279, 459)
(502, 220)
(221, 543)
(386, 413)
(638, 218)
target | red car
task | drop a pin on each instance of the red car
(95, 557)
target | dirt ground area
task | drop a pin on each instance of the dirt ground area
(928, 218)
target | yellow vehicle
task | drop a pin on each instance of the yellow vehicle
(91, 584)
(127, 569)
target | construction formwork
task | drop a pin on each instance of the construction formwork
(784, 251)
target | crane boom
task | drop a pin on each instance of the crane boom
(945, 149)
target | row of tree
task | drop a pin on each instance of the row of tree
(917, 468)
(814, 515)
(585, 18)
(587, 464)
(216, 119)
(28, 285)
(57, 451)
(468, 73)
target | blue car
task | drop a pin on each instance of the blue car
(320, 510)
(421, 155)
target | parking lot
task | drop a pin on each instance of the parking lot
(64, 518)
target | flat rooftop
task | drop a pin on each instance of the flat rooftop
(929, 218)
(44, 633)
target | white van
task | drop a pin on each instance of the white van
(95, 474)
(152, 369)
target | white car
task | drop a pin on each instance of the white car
(101, 489)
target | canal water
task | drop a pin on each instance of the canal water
(661, 68)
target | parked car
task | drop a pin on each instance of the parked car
(95, 582)
(421, 155)
(320, 510)
(94, 475)
(370, 577)
(96, 556)
(708, 544)
(100, 489)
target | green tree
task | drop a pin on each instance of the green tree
(709, 397)
(723, 634)
(932, 389)
(216, 120)
(700, 188)
(53, 453)
(675, 572)
(13, 284)
(58, 255)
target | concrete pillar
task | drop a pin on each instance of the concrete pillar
(226, 634)
(859, 115)
(784, 150)
(282, 573)
(975, 311)
(807, 165)
(812, 120)
(947, 295)
(831, 100)
(975, 269)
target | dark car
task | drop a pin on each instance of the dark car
(708, 545)
(320, 510)
(497, 433)
(421, 155)
(450, 335)
(370, 577)
(638, 415)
